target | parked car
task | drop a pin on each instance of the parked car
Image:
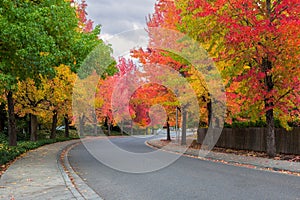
(60, 128)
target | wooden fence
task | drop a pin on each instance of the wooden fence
(255, 139)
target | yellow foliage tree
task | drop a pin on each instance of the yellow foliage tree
(48, 99)
(59, 97)
(30, 99)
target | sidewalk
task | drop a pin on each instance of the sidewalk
(37, 175)
(247, 161)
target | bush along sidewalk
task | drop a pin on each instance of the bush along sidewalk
(9, 153)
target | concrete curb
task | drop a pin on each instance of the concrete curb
(80, 190)
(65, 176)
(245, 161)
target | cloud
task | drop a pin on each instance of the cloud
(122, 43)
(117, 16)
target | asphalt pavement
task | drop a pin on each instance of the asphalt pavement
(39, 174)
(186, 178)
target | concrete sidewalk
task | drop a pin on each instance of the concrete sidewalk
(248, 161)
(38, 175)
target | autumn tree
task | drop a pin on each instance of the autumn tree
(58, 98)
(97, 65)
(103, 99)
(148, 96)
(33, 40)
(166, 17)
(113, 93)
(261, 40)
(50, 99)
(85, 24)
(30, 99)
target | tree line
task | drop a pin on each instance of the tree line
(43, 44)
(254, 46)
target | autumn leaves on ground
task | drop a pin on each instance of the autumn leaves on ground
(254, 46)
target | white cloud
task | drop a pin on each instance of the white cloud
(124, 42)
(117, 16)
(122, 22)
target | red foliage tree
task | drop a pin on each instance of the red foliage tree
(84, 23)
(147, 97)
(261, 40)
(114, 93)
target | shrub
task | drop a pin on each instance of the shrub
(3, 138)
(8, 153)
(247, 124)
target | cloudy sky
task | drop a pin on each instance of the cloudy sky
(117, 16)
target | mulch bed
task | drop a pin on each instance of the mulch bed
(287, 157)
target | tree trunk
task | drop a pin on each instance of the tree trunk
(168, 130)
(271, 148)
(270, 137)
(176, 128)
(67, 132)
(121, 129)
(29, 123)
(33, 127)
(95, 123)
(54, 124)
(183, 126)
(2, 117)
(81, 125)
(108, 129)
(131, 128)
(12, 132)
(209, 112)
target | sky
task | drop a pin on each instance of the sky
(116, 16)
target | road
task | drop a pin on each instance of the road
(186, 178)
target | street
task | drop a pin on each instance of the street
(186, 178)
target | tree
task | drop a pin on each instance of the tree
(144, 104)
(113, 93)
(59, 96)
(33, 39)
(86, 25)
(98, 64)
(166, 17)
(50, 99)
(261, 40)
(30, 99)
(92, 55)
(103, 97)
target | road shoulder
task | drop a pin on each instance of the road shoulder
(232, 159)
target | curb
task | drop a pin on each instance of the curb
(74, 183)
(229, 161)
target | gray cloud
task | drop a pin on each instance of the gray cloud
(117, 16)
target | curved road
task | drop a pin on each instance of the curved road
(186, 178)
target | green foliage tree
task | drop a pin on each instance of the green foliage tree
(33, 39)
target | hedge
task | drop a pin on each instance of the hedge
(8, 153)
